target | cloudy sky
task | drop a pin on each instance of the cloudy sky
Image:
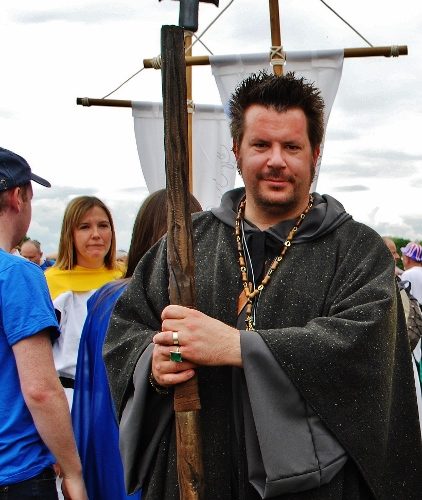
(55, 51)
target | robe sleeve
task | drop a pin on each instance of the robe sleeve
(140, 428)
(135, 319)
(288, 448)
(351, 363)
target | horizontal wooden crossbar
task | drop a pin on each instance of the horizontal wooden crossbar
(387, 51)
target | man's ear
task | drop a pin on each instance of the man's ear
(15, 198)
(235, 150)
(315, 155)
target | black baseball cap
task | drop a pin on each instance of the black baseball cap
(15, 171)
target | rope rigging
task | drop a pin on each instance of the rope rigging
(279, 59)
(157, 59)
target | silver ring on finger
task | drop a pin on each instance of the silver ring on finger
(175, 338)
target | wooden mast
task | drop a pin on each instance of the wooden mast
(180, 258)
(177, 112)
(277, 56)
(190, 104)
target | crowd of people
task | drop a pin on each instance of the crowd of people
(304, 337)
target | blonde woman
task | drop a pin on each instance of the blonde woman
(86, 260)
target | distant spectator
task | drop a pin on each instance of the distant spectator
(412, 263)
(413, 316)
(31, 250)
(121, 259)
(393, 249)
(51, 256)
(15, 251)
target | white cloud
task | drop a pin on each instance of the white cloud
(87, 14)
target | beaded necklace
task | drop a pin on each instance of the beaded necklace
(249, 293)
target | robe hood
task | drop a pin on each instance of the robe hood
(326, 215)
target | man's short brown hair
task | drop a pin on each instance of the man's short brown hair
(3, 195)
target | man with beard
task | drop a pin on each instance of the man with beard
(297, 338)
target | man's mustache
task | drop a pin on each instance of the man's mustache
(277, 177)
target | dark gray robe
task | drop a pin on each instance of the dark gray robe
(331, 322)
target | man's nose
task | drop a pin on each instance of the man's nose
(276, 157)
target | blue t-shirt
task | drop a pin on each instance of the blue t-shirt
(46, 264)
(25, 310)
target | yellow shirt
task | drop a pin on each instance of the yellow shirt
(78, 279)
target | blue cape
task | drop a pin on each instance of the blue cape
(93, 415)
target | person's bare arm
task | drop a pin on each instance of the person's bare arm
(48, 405)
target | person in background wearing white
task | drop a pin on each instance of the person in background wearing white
(412, 263)
(86, 261)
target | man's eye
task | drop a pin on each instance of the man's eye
(260, 145)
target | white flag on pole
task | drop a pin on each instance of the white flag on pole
(214, 166)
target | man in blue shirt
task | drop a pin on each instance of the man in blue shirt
(35, 425)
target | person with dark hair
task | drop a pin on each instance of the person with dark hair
(296, 338)
(86, 260)
(35, 427)
(92, 411)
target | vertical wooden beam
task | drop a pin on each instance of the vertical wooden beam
(180, 257)
(275, 33)
(188, 52)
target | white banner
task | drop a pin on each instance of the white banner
(214, 165)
